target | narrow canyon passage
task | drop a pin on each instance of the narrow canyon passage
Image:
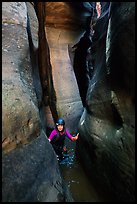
(69, 104)
(76, 61)
(69, 107)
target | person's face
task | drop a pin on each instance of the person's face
(60, 127)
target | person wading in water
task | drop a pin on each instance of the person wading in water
(57, 138)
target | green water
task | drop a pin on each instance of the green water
(79, 184)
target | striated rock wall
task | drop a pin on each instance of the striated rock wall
(106, 144)
(107, 126)
(30, 170)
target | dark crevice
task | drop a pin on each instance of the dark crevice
(84, 59)
(34, 63)
(44, 65)
(80, 64)
(117, 117)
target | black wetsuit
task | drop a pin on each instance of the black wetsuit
(58, 144)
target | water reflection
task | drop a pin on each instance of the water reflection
(77, 181)
(68, 158)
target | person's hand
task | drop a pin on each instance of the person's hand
(49, 140)
(76, 137)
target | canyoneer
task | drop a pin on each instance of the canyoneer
(57, 138)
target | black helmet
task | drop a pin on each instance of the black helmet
(60, 121)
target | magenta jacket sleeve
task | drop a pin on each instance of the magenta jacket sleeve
(69, 135)
(53, 133)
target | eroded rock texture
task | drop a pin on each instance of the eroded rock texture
(44, 56)
(30, 170)
(107, 127)
(20, 112)
(65, 25)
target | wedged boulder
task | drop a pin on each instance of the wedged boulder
(107, 126)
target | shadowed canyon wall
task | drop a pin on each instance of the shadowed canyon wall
(55, 64)
(107, 126)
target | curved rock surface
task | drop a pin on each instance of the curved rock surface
(30, 171)
(106, 144)
(107, 125)
(65, 25)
